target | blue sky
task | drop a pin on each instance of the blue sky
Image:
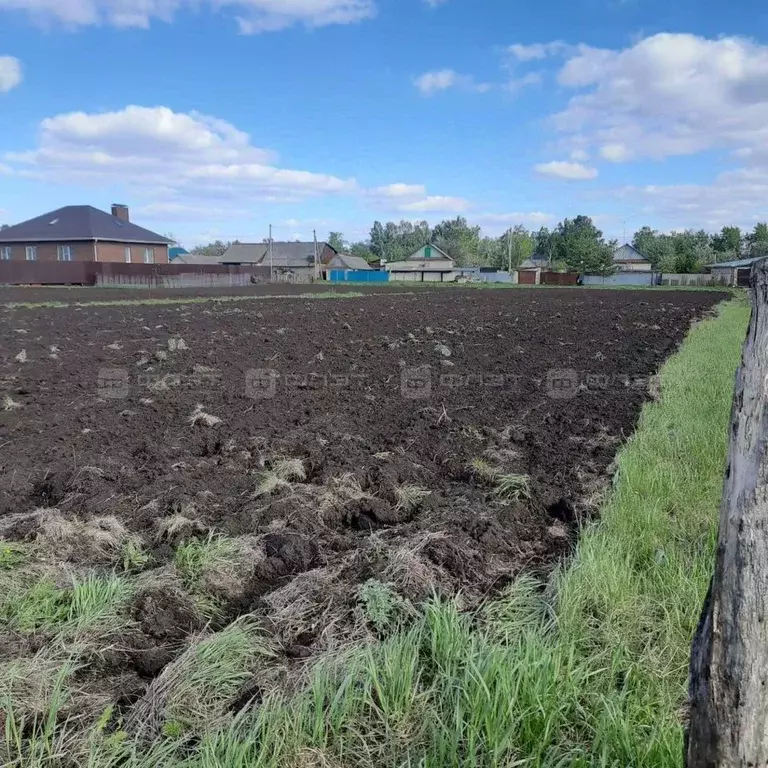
(214, 118)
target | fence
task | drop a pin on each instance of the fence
(559, 278)
(357, 276)
(695, 279)
(623, 278)
(136, 275)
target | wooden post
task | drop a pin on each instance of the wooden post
(729, 659)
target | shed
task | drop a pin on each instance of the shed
(733, 272)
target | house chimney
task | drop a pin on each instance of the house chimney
(121, 211)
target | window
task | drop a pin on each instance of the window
(64, 252)
(127, 254)
(149, 255)
(5, 253)
(31, 253)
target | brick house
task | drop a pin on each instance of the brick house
(83, 233)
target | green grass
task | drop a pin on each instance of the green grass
(150, 301)
(590, 671)
(194, 557)
(92, 603)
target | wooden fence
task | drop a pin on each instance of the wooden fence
(136, 275)
(729, 659)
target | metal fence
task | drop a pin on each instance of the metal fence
(623, 278)
(357, 276)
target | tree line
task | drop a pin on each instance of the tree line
(575, 244)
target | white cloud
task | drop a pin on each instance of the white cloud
(252, 15)
(399, 191)
(537, 51)
(166, 155)
(580, 155)
(434, 3)
(516, 84)
(165, 211)
(734, 197)
(562, 169)
(10, 73)
(413, 198)
(436, 203)
(444, 79)
(497, 223)
(670, 94)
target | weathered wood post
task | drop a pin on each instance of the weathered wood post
(729, 659)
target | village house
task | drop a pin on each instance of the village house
(429, 264)
(628, 259)
(83, 233)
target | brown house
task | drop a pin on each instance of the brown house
(83, 233)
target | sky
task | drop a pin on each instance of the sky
(212, 119)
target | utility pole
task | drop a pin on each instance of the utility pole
(509, 248)
(314, 235)
(271, 266)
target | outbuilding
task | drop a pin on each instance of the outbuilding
(732, 272)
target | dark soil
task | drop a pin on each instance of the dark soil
(79, 294)
(538, 383)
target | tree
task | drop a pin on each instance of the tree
(757, 240)
(545, 244)
(460, 241)
(727, 244)
(336, 241)
(656, 247)
(520, 243)
(363, 250)
(581, 246)
(213, 250)
(395, 242)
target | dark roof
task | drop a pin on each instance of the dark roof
(79, 222)
(294, 254)
(243, 253)
(284, 255)
(737, 264)
(197, 258)
(628, 253)
(345, 261)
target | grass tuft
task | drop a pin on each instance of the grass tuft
(409, 498)
(196, 556)
(516, 487)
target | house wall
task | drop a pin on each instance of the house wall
(115, 252)
(405, 276)
(634, 267)
(49, 251)
(89, 251)
(427, 264)
(421, 254)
